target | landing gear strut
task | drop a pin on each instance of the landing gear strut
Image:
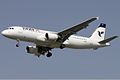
(17, 45)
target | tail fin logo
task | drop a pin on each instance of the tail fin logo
(99, 33)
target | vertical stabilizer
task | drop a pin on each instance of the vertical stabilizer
(99, 33)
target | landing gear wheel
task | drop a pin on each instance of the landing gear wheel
(38, 56)
(49, 54)
(17, 45)
(62, 46)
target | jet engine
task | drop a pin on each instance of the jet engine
(37, 51)
(32, 49)
(51, 36)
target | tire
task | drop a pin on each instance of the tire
(49, 54)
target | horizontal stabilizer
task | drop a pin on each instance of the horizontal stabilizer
(108, 40)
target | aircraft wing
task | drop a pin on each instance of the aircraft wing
(65, 34)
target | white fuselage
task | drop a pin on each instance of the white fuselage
(37, 36)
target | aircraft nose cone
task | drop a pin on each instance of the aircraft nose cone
(4, 33)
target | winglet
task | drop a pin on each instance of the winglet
(97, 17)
(90, 20)
(108, 40)
(94, 18)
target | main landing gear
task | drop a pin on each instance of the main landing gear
(62, 46)
(49, 54)
(38, 56)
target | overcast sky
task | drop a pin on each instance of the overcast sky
(57, 15)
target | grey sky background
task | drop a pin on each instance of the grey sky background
(57, 15)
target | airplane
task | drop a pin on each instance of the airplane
(45, 41)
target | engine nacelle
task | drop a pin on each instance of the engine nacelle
(32, 49)
(35, 50)
(51, 36)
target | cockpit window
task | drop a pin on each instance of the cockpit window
(10, 28)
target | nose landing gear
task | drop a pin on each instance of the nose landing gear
(17, 45)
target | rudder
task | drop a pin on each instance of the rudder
(99, 33)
